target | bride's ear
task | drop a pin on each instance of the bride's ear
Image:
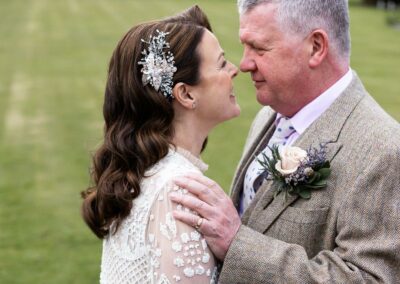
(181, 92)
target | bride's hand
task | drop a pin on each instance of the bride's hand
(220, 218)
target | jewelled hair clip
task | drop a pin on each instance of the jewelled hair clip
(158, 65)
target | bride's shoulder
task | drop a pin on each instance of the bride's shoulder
(172, 165)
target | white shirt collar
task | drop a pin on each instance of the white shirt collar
(308, 114)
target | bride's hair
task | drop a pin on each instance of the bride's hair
(138, 119)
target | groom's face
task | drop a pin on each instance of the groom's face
(277, 61)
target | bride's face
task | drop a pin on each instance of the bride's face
(215, 99)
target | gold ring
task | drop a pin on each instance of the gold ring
(198, 224)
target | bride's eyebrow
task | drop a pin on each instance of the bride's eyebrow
(221, 55)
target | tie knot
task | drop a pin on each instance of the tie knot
(284, 128)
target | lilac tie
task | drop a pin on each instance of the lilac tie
(255, 175)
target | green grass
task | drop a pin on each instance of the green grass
(54, 57)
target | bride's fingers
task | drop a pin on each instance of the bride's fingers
(192, 203)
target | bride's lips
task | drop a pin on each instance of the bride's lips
(232, 94)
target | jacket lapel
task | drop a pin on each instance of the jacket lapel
(326, 129)
(259, 143)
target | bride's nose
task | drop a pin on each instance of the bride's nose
(233, 70)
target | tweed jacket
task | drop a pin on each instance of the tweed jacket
(348, 232)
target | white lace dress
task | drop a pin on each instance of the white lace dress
(150, 246)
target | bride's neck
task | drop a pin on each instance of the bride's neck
(189, 136)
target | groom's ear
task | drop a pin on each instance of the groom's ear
(318, 47)
(181, 92)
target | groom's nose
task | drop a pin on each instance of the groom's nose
(247, 63)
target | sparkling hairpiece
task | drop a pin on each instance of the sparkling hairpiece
(158, 65)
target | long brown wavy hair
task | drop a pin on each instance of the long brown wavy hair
(138, 127)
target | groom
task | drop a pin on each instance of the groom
(297, 52)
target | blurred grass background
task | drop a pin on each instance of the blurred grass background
(53, 63)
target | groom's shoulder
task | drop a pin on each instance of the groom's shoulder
(373, 125)
(371, 114)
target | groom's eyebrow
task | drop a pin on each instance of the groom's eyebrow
(221, 55)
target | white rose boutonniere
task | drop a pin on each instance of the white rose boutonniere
(296, 171)
(291, 158)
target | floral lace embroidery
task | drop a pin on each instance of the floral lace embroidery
(191, 247)
(132, 255)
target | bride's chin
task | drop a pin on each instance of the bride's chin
(235, 112)
(238, 111)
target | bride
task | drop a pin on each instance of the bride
(168, 85)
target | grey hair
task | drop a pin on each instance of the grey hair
(300, 17)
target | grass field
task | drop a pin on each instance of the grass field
(53, 62)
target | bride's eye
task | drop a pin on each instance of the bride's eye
(223, 64)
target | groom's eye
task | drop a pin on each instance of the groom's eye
(256, 48)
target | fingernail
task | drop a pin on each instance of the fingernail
(173, 196)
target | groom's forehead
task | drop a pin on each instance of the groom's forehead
(257, 33)
(246, 36)
(258, 21)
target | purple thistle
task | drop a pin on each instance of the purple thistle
(316, 157)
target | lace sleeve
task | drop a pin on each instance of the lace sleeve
(180, 253)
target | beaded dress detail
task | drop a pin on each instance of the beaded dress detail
(150, 246)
